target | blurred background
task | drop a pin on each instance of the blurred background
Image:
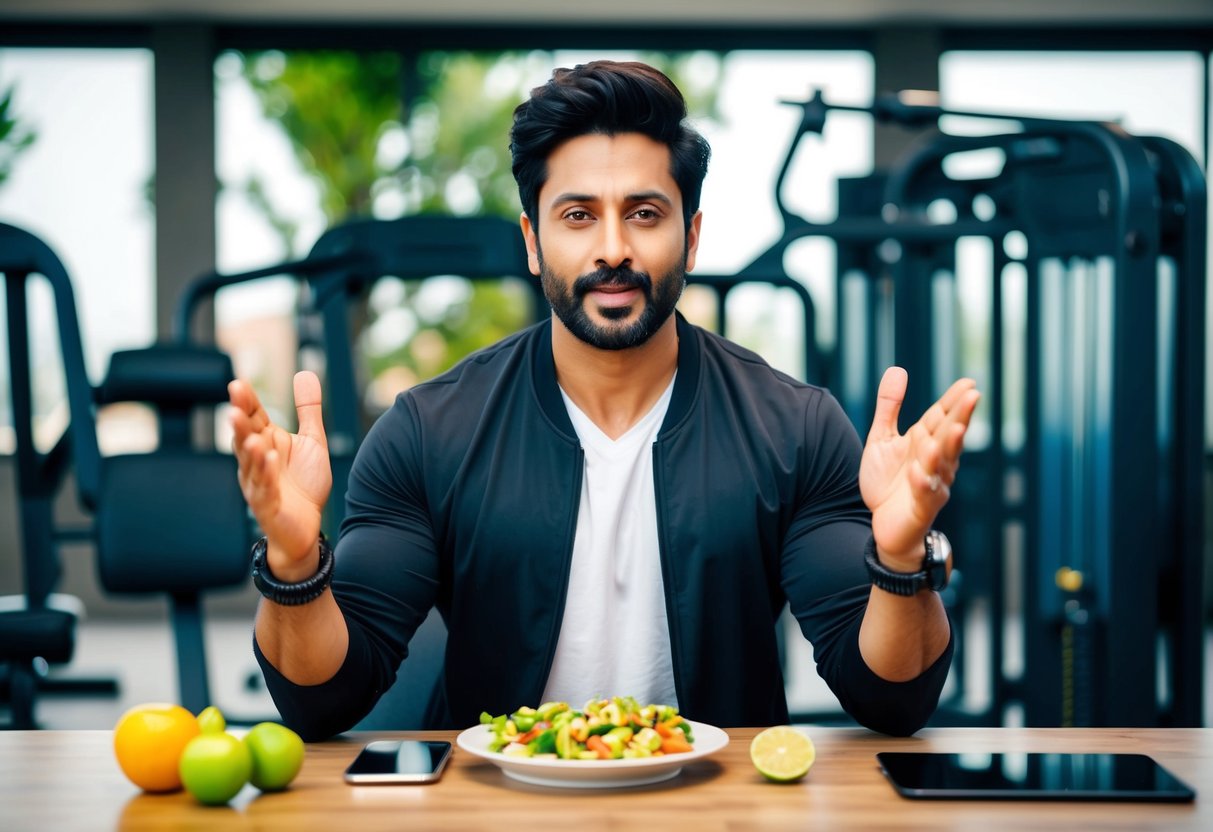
(151, 142)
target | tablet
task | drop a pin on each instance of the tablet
(1023, 776)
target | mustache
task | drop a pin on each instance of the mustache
(616, 278)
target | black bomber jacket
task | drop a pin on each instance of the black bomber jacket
(465, 494)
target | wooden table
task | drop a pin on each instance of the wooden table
(63, 780)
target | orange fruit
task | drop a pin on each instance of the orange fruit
(148, 741)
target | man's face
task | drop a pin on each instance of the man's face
(615, 250)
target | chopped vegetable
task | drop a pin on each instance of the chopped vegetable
(605, 729)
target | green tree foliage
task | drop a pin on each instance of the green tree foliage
(15, 138)
(344, 114)
(334, 108)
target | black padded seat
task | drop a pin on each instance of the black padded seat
(169, 375)
(26, 635)
(171, 521)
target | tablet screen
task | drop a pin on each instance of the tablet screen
(1019, 776)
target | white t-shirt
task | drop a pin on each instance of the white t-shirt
(615, 638)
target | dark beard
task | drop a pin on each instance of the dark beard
(569, 305)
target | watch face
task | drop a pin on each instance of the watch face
(935, 564)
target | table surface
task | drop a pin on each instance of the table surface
(65, 780)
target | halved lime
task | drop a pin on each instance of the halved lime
(782, 753)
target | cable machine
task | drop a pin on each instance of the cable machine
(1077, 519)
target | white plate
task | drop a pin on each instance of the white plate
(593, 774)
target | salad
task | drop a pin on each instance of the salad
(605, 729)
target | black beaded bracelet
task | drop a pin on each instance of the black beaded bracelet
(292, 595)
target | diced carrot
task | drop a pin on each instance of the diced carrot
(595, 743)
(669, 727)
(676, 743)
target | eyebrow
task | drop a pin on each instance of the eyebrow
(642, 196)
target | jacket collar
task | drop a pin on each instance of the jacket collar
(547, 391)
(690, 344)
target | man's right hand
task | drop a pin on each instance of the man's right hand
(285, 477)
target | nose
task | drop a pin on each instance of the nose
(614, 249)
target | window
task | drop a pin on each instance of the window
(82, 186)
(1150, 93)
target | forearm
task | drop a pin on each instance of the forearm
(900, 637)
(897, 708)
(319, 711)
(327, 662)
(306, 643)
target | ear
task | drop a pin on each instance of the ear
(530, 236)
(693, 239)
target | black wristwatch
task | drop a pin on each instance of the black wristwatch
(932, 576)
(292, 595)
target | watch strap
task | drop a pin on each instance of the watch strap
(898, 583)
(291, 594)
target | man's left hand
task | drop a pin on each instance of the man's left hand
(906, 478)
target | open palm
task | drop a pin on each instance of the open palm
(286, 477)
(905, 479)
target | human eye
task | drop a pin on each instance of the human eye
(577, 216)
(645, 215)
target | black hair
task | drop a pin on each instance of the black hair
(607, 97)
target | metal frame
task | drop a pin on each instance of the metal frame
(42, 476)
(1102, 454)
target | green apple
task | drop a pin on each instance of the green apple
(215, 767)
(211, 721)
(277, 754)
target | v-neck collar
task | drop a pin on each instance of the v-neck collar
(548, 393)
(590, 434)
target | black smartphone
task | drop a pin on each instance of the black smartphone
(399, 761)
(1026, 776)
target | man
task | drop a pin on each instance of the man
(612, 501)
